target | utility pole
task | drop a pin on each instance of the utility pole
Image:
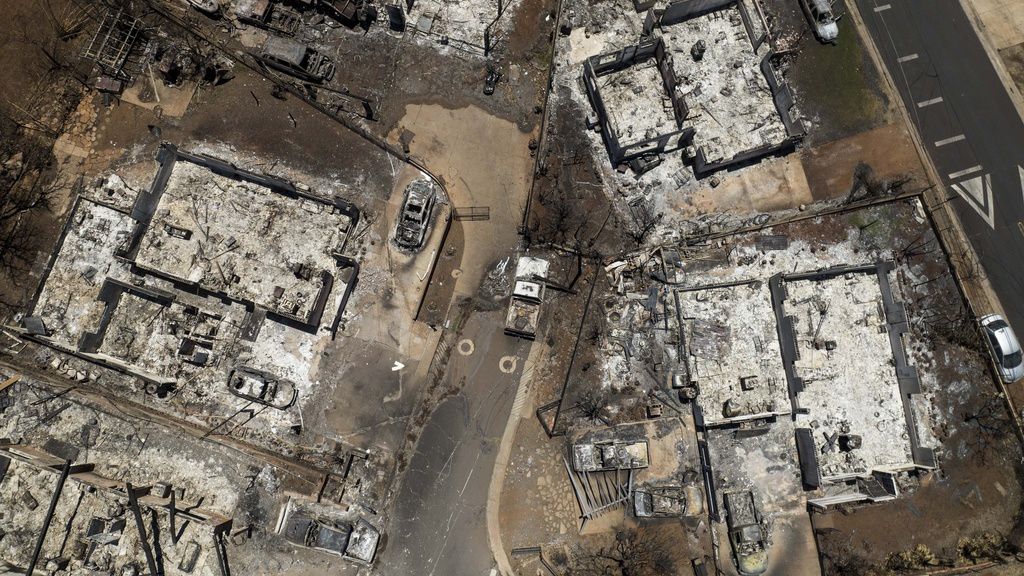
(133, 503)
(64, 472)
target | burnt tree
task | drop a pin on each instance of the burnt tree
(633, 553)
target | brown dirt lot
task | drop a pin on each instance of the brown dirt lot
(391, 70)
(887, 149)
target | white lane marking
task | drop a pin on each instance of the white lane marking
(950, 140)
(924, 103)
(907, 58)
(1020, 170)
(883, 7)
(965, 172)
(397, 366)
(978, 193)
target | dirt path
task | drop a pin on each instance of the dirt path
(484, 161)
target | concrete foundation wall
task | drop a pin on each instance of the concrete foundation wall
(603, 64)
(676, 12)
(782, 96)
(896, 324)
(147, 202)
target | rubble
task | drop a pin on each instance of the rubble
(297, 356)
(92, 526)
(726, 99)
(207, 303)
(734, 361)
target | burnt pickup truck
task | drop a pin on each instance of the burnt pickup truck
(749, 544)
(355, 541)
(296, 59)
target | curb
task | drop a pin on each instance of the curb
(522, 399)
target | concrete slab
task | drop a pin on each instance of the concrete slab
(1003, 21)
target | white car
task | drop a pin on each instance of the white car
(824, 22)
(211, 7)
(1005, 347)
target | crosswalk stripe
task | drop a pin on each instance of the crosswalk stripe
(964, 172)
(951, 140)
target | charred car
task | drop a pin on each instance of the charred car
(414, 217)
(668, 501)
(296, 59)
(356, 542)
(262, 387)
(749, 544)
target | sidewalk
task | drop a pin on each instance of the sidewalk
(1000, 26)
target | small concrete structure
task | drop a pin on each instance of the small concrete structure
(634, 83)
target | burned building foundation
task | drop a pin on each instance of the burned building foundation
(717, 94)
(823, 350)
(212, 273)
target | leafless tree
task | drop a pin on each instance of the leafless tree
(846, 562)
(634, 552)
(866, 184)
(592, 402)
(66, 19)
(55, 39)
(644, 222)
(991, 423)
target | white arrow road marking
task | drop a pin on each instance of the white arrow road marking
(398, 366)
(978, 193)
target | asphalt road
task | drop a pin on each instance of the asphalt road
(439, 526)
(968, 124)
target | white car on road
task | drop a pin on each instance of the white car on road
(1005, 347)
